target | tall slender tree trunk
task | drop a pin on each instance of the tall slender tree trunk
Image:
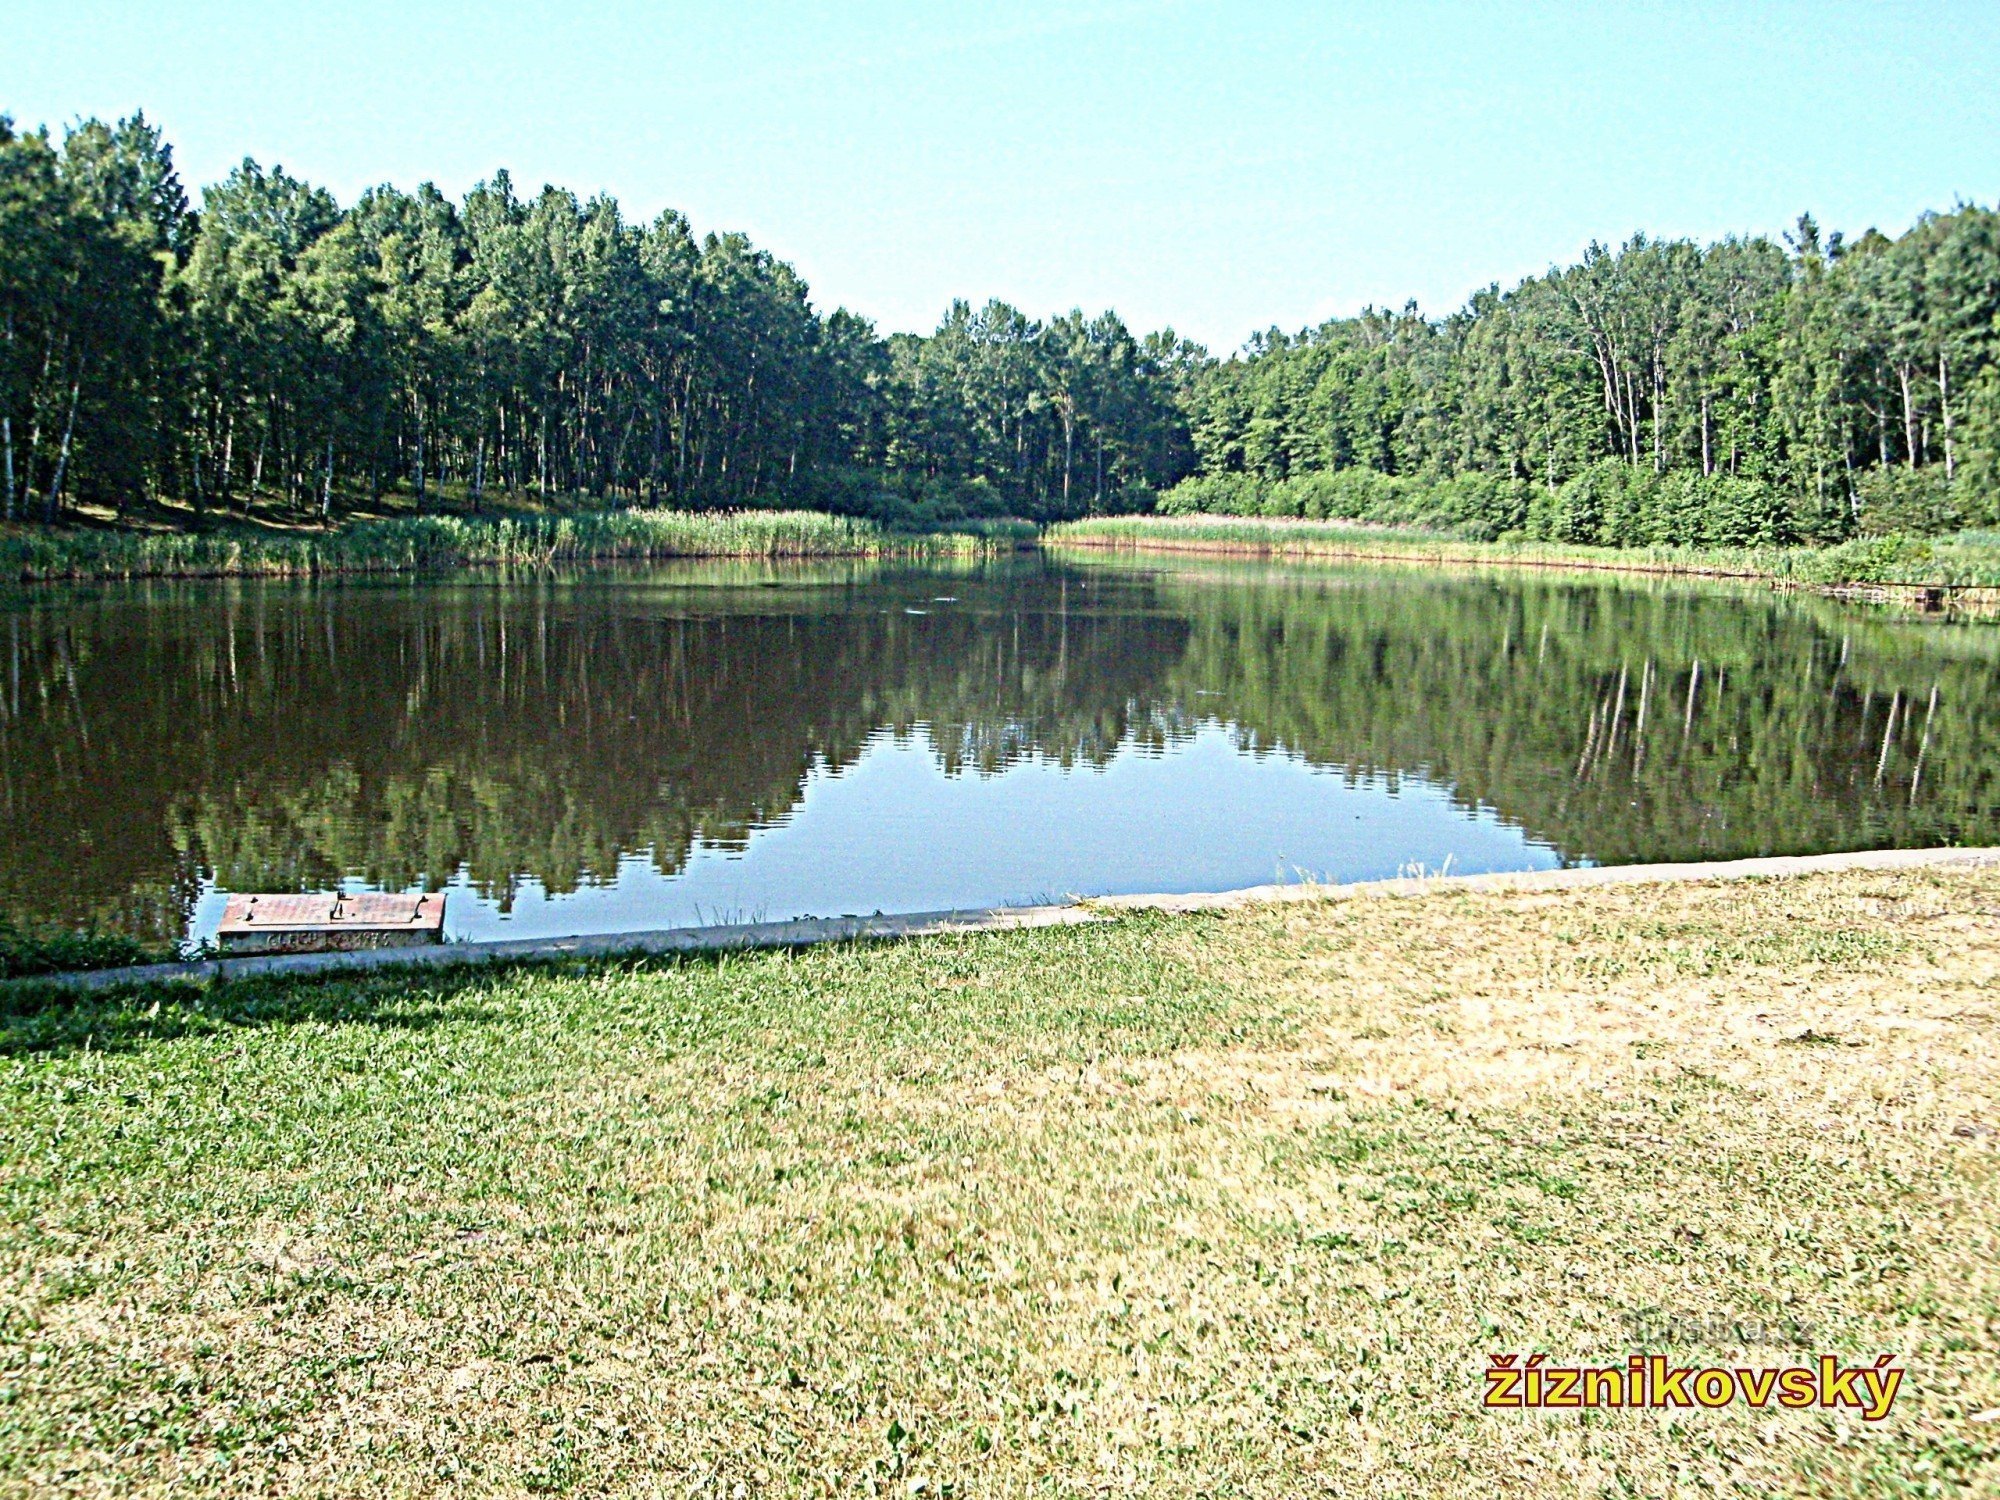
(1707, 459)
(479, 472)
(421, 457)
(326, 484)
(7, 431)
(35, 408)
(1909, 417)
(686, 418)
(1632, 416)
(228, 458)
(653, 465)
(1069, 443)
(62, 458)
(1944, 413)
(1614, 400)
(1659, 410)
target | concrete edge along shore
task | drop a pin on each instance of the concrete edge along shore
(808, 931)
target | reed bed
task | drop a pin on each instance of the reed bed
(438, 543)
(1970, 561)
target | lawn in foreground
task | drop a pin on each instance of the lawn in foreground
(1182, 1206)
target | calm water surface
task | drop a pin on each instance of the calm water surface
(616, 752)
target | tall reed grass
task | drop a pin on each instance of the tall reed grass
(1969, 560)
(437, 543)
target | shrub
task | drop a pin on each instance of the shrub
(1478, 506)
(1918, 502)
(1213, 495)
(1743, 513)
(1611, 503)
(1576, 512)
(1875, 559)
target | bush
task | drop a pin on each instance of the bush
(1916, 502)
(1484, 506)
(1678, 512)
(1744, 513)
(1613, 504)
(1212, 495)
(1477, 506)
(900, 501)
(1877, 559)
(1576, 512)
(1610, 504)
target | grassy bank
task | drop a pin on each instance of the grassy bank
(1970, 561)
(31, 950)
(432, 543)
(1233, 1205)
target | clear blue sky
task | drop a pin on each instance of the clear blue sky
(1220, 167)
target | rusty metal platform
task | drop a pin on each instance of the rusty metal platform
(329, 923)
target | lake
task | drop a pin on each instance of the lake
(729, 742)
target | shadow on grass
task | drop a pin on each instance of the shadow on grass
(1133, 988)
(39, 1017)
(43, 1018)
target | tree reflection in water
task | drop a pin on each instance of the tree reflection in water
(280, 736)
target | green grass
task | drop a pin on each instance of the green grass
(434, 543)
(1972, 559)
(1169, 1206)
(28, 951)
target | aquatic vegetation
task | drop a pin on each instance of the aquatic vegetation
(436, 543)
(1969, 560)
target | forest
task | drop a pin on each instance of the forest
(1659, 393)
(272, 343)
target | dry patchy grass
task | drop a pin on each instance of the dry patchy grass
(1175, 1206)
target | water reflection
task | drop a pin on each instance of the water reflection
(622, 752)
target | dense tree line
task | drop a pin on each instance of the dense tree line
(274, 342)
(1660, 392)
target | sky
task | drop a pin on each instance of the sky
(1220, 168)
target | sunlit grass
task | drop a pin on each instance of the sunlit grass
(1174, 1206)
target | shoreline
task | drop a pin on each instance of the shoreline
(1916, 594)
(808, 932)
(1430, 558)
(441, 544)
